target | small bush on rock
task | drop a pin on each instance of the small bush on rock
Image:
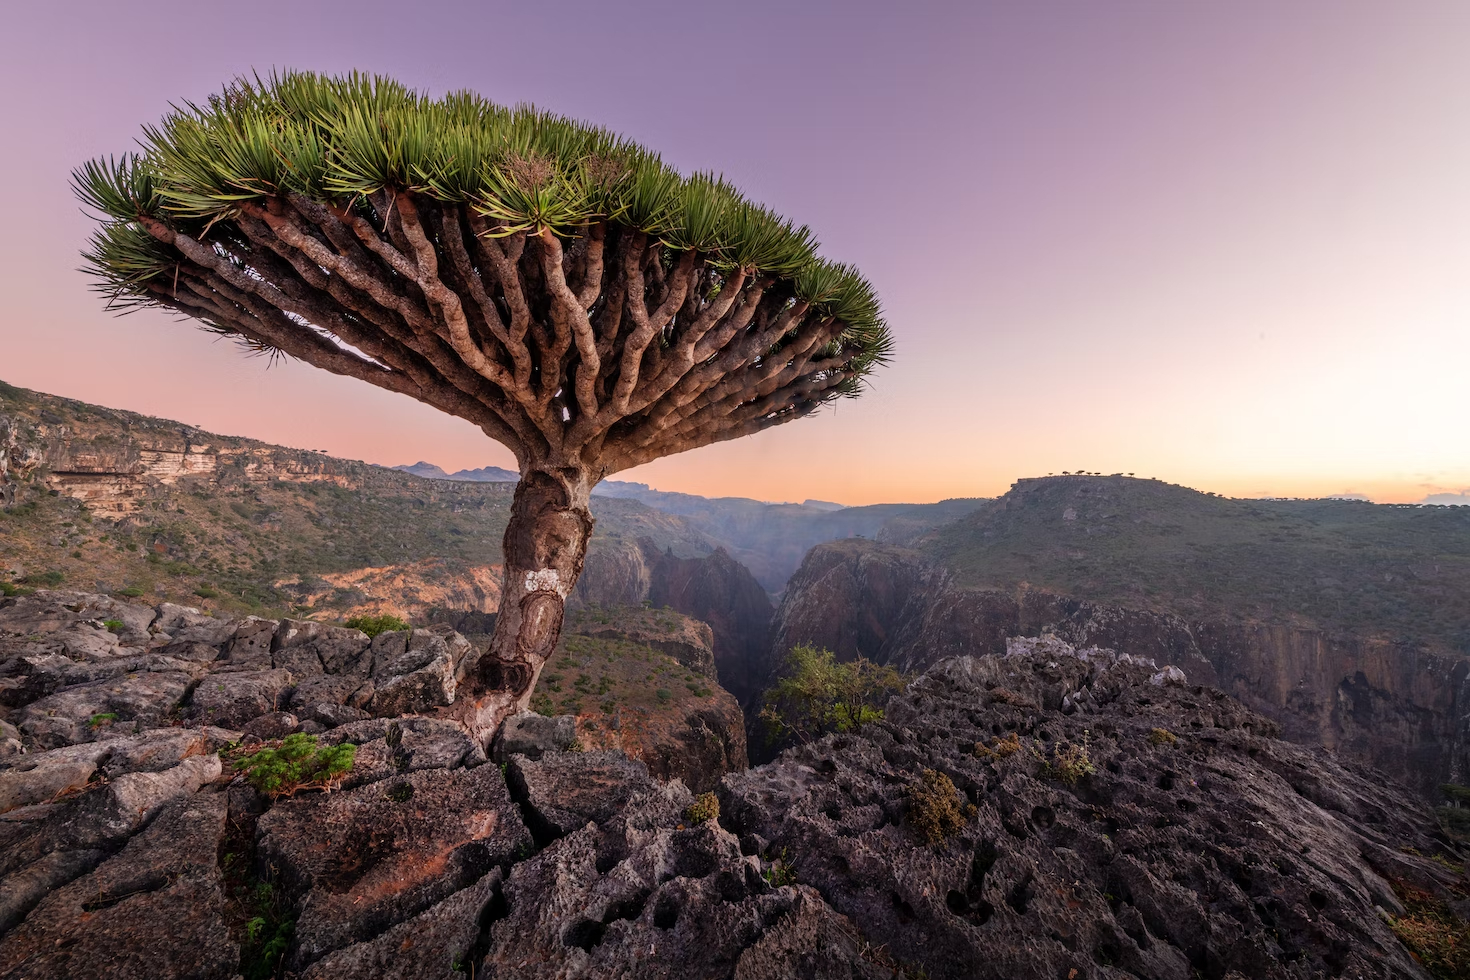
(934, 807)
(705, 807)
(1003, 748)
(114, 625)
(779, 872)
(373, 625)
(1162, 736)
(818, 695)
(296, 763)
(7, 590)
(1069, 763)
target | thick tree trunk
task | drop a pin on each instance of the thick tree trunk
(545, 544)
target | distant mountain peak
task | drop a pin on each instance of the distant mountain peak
(485, 474)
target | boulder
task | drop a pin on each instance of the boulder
(77, 714)
(415, 672)
(250, 645)
(232, 699)
(391, 747)
(366, 859)
(533, 735)
(563, 791)
(433, 945)
(272, 724)
(157, 909)
(118, 809)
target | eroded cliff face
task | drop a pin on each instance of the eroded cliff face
(1400, 708)
(112, 460)
(714, 589)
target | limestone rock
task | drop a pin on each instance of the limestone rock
(232, 699)
(154, 910)
(433, 945)
(367, 859)
(533, 735)
(128, 802)
(74, 714)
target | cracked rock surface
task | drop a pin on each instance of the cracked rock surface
(1107, 820)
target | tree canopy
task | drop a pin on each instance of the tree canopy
(551, 281)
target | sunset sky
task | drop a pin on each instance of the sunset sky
(1223, 244)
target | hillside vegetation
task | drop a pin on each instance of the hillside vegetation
(1401, 572)
(112, 501)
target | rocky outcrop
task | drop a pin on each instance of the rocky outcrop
(650, 677)
(67, 679)
(1393, 706)
(1102, 818)
(1116, 821)
(714, 589)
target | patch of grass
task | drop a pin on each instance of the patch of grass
(296, 763)
(933, 807)
(7, 590)
(114, 625)
(206, 592)
(1162, 736)
(1433, 933)
(373, 625)
(705, 807)
(102, 718)
(131, 592)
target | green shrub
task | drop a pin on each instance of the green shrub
(43, 580)
(779, 872)
(1162, 736)
(114, 625)
(373, 625)
(102, 718)
(664, 695)
(934, 807)
(296, 763)
(705, 807)
(1069, 763)
(7, 590)
(818, 695)
(205, 592)
(268, 932)
(131, 592)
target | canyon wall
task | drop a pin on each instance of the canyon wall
(1398, 707)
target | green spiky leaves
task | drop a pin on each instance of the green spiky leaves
(340, 140)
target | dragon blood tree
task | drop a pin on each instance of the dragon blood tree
(551, 282)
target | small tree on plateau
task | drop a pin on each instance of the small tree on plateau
(549, 281)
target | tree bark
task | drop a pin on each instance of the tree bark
(545, 545)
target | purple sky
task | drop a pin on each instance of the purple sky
(1224, 244)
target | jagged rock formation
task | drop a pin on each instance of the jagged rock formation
(1191, 843)
(1394, 706)
(78, 669)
